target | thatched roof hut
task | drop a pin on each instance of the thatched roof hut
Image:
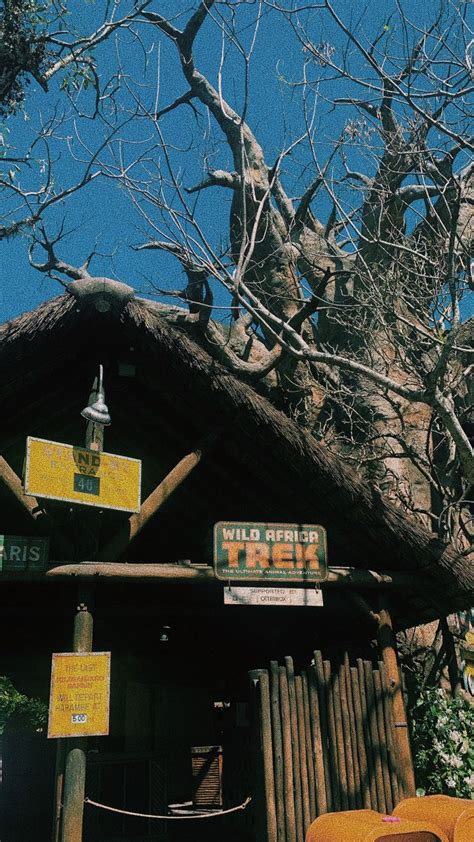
(165, 394)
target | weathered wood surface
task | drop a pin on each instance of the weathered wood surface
(388, 651)
(74, 781)
(277, 739)
(267, 754)
(337, 576)
(321, 731)
(389, 728)
(335, 773)
(361, 740)
(346, 733)
(353, 734)
(374, 736)
(332, 742)
(367, 737)
(389, 805)
(309, 748)
(303, 752)
(287, 758)
(295, 747)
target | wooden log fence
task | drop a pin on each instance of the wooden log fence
(328, 742)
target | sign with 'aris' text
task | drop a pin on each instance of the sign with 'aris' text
(270, 552)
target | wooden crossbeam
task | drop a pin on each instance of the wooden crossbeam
(337, 576)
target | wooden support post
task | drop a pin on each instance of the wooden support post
(388, 650)
(340, 738)
(290, 810)
(319, 743)
(353, 733)
(347, 738)
(383, 741)
(361, 742)
(295, 747)
(319, 708)
(374, 736)
(336, 774)
(304, 747)
(277, 751)
(388, 716)
(367, 735)
(309, 747)
(75, 766)
(263, 693)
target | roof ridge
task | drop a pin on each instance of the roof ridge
(104, 293)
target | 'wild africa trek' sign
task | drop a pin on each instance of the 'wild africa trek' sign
(270, 551)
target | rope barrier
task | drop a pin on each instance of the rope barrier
(168, 818)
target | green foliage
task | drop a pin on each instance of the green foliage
(19, 710)
(77, 78)
(443, 743)
(22, 49)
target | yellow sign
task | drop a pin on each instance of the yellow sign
(74, 474)
(79, 695)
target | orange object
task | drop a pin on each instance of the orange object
(453, 815)
(369, 826)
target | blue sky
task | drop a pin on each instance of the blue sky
(101, 216)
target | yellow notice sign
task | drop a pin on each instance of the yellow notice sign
(58, 471)
(79, 695)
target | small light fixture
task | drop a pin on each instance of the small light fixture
(98, 411)
(165, 634)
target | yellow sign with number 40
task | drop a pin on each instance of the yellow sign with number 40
(58, 471)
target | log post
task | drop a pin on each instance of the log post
(361, 743)
(319, 713)
(347, 737)
(304, 747)
(277, 750)
(383, 741)
(295, 747)
(353, 733)
(75, 764)
(388, 716)
(309, 748)
(290, 810)
(336, 773)
(374, 736)
(266, 745)
(388, 650)
(340, 738)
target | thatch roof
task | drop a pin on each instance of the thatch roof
(366, 530)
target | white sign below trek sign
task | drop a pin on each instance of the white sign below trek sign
(311, 597)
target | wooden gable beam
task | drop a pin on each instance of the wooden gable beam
(34, 509)
(127, 533)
